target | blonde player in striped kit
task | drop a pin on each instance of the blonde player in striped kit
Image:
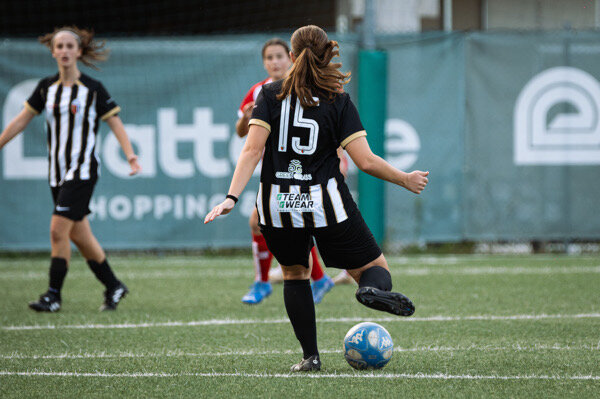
(74, 104)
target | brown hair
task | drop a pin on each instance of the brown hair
(91, 50)
(275, 42)
(313, 69)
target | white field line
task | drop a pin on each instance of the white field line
(201, 272)
(217, 322)
(420, 376)
(177, 354)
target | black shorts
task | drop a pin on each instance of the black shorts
(346, 245)
(72, 198)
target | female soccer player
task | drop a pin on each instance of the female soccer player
(299, 123)
(74, 105)
(276, 61)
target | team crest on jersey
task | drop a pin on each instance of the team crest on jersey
(294, 172)
(295, 202)
(75, 106)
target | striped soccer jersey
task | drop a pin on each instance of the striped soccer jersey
(73, 114)
(301, 185)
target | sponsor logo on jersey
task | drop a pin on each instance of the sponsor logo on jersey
(295, 202)
(294, 172)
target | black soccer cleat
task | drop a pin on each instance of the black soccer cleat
(313, 363)
(48, 302)
(386, 301)
(113, 296)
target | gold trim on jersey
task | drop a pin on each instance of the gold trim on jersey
(30, 108)
(352, 137)
(110, 113)
(259, 122)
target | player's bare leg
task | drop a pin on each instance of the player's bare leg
(86, 242)
(343, 277)
(60, 229)
(375, 289)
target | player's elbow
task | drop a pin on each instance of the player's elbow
(253, 152)
(367, 164)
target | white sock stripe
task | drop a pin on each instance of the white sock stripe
(215, 322)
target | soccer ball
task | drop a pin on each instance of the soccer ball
(368, 346)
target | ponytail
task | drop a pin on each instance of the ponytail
(313, 70)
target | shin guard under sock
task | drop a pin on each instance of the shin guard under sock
(300, 308)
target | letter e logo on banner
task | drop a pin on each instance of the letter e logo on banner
(563, 139)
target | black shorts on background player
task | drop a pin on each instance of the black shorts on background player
(72, 198)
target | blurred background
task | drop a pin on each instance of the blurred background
(498, 99)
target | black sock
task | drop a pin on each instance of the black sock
(376, 277)
(300, 308)
(58, 271)
(103, 273)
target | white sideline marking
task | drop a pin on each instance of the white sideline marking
(431, 348)
(422, 376)
(398, 271)
(216, 322)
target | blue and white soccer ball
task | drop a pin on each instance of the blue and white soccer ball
(368, 346)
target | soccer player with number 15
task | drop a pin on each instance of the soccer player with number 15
(299, 123)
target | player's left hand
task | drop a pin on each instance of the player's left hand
(222, 209)
(134, 165)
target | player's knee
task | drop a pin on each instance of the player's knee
(58, 234)
(295, 272)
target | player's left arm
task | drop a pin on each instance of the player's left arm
(249, 158)
(116, 125)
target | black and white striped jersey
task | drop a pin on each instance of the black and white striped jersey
(301, 185)
(73, 114)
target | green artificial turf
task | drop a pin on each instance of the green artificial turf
(485, 326)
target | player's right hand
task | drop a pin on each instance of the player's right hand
(248, 108)
(416, 181)
(222, 209)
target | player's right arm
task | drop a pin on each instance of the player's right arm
(365, 160)
(16, 126)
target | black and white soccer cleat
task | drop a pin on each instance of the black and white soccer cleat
(48, 302)
(313, 363)
(386, 301)
(113, 296)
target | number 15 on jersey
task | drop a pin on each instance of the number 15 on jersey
(299, 122)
